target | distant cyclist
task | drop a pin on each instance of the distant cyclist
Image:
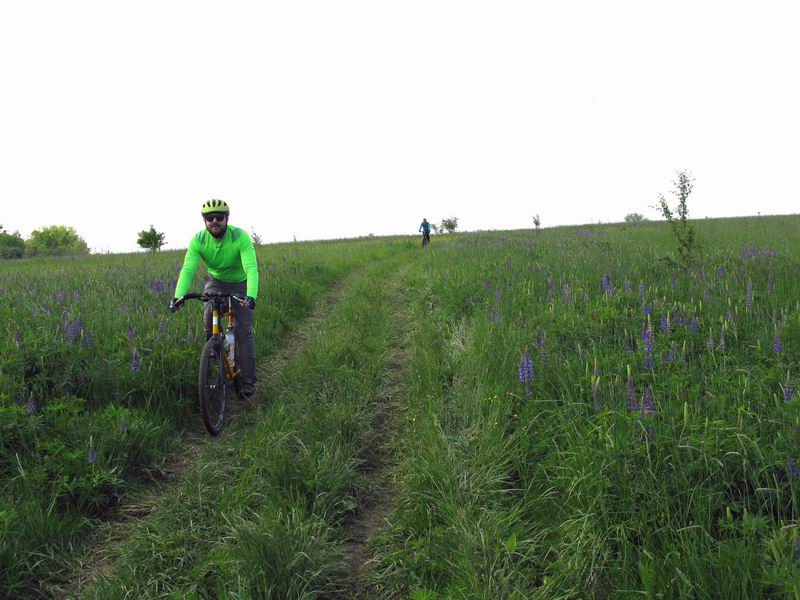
(425, 228)
(228, 253)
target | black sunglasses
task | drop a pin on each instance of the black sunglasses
(217, 218)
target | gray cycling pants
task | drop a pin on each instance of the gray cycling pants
(243, 317)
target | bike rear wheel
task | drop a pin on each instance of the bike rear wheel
(213, 385)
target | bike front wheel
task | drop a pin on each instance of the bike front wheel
(213, 385)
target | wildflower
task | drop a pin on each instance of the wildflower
(664, 326)
(136, 361)
(31, 407)
(156, 286)
(647, 309)
(720, 271)
(729, 316)
(788, 392)
(76, 297)
(722, 345)
(498, 295)
(630, 394)
(647, 338)
(606, 285)
(648, 436)
(671, 354)
(526, 372)
(694, 326)
(18, 342)
(749, 297)
(47, 309)
(72, 331)
(91, 457)
(641, 289)
(777, 345)
(674, 280)
(794, 470)
(648, 403)
(626, 285)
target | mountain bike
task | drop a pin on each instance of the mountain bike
(218, 375)
(426, 238)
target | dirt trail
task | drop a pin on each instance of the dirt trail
(371, 515)
(67, 582)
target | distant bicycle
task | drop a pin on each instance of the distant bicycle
(218, 374)
(426, 238)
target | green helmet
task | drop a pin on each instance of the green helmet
(214, 206)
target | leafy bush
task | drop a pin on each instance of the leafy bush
(56, 240)
(635, 218)
(682, 230)
(151, 239)
(11, 244)
(449, 224)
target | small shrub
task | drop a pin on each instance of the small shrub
(682, 230)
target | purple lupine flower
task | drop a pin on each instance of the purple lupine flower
(72, 331)
(788, 392)
(720, 271)
(674, 280)
(134, 306)
(31, 407)
(46, 308)
(626, 285)
(647, 309)
(749, 296)
(771, 283)
(641, 289)
(694, 326)
(722, 345)
(664, 326)
(526, 372)
(59, 296)
(18, 342)
(136, 361)
(671, 353)
(729, 316)
(630, 395)
(76, 297)
(648, 403)
(498, 295)
(648, 436)
(91, 457)
(606, 285)
(791, 466)
(156, 286)
(647, 338)
(777, 344)
(683, 355)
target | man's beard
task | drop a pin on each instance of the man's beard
(221, 233)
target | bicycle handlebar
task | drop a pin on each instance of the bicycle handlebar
(205, 297)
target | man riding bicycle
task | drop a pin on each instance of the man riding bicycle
(228, 253)
(425, 228)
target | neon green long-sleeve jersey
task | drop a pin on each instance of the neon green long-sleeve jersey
(231, 259)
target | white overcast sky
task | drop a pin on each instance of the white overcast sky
(324, 119)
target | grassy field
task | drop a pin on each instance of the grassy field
(575, 418)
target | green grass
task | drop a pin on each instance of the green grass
(262, 517)
(583, 488)
(79, 427)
